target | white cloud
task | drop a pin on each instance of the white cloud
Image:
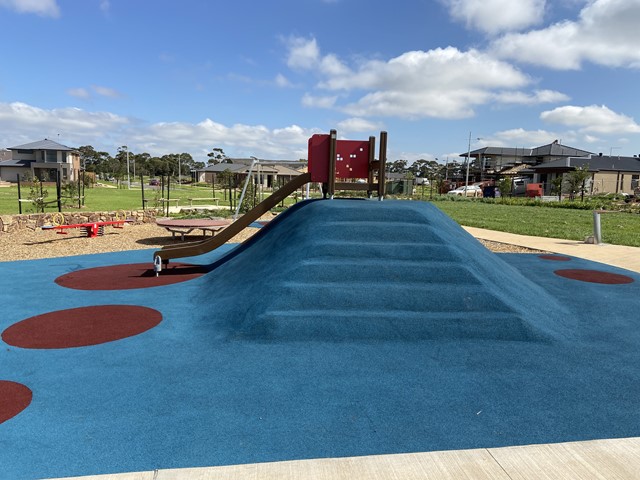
(519, 137)
(106, 91)
(318, 101)
(440, 83)
(356, 125)
(85, 94)
(537, 97)
(302, 53)
(289, 143)
(45, 8)
(497, 16)
(21, 123)
(105, 6)
(282, 81)
(19, 116)
(603, 35)
(592, 119)
(82, 93)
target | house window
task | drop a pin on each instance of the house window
(52, 156)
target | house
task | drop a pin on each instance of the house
(501, 161)
(44, 159)
(266, 172)
(609, 174)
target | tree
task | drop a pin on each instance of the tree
(92, 160)
(216, 155)
(399, 166)
(426, 168)
(576, 181)
(556, 186)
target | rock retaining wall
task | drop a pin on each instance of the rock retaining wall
(32, 221)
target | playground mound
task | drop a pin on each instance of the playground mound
(358, 269)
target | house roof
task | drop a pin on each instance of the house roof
(284, 170)
(596, 163)
(553, 149)
(12, 162)
(45, 144)
(556, 149)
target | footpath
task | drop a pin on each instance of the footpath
(616, 255)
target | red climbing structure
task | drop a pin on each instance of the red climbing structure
(331, 159)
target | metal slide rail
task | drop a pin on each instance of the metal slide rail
(198, 248)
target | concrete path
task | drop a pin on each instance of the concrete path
(597, 459)
(616, 255)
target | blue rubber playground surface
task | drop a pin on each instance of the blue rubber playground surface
(344, 328)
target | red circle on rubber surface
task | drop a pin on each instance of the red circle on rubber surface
(594, 276)
(556, 258)
(129, 276)
(14, 398)
(81, 327)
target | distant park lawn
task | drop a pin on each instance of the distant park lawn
(109, 198)
(617, 228)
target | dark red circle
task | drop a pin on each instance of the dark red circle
(14, 398)
(594, 276)
(80, 327)
(129, 276)
(556, 258)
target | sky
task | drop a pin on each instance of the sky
(258, 78)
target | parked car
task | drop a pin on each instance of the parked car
(154, 182)
(469, 191)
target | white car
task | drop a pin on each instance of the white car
(469, 191)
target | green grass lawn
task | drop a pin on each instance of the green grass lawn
(99, 199)
(617, 228)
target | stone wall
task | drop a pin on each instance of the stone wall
(32, 221)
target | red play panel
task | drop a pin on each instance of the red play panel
(129, 276)
(318, 153)
(14, 398)
(352, 159)
(81, 327)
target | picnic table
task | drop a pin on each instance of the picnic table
(185, 226)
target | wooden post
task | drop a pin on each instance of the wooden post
(58, 191)
(383, 165)
(372, 159)
(142, 189)
(168, 194)
(333, 138)
(19, 197)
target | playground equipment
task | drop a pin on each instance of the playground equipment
(329, 159)
(88, 229)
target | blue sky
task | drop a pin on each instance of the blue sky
(259, 78)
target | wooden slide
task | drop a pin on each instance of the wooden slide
(198, 248)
